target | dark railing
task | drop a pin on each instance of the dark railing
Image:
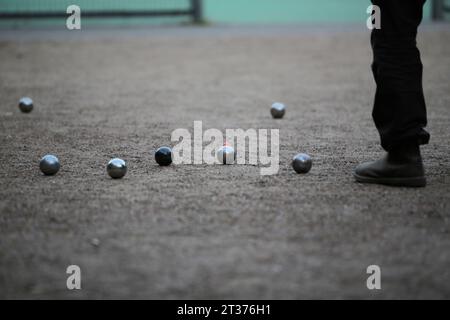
(195, 11)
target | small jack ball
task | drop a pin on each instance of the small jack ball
(49, 165)
(116, 168)
(26, 105)
(278, 110)
(302, 163)
(163, 156)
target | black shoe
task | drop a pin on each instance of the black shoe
(401, 167)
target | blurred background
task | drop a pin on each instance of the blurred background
(16, 13)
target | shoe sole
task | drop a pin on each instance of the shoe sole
(414, 182)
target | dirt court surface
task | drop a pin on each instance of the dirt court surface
(212, 231)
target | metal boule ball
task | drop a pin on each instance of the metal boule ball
(116, 168)
(49, 165)
(302, 163)
(26, 105)
(163, 156)
(278, 110)
(226, 155)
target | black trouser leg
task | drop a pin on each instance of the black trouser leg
(399, 110)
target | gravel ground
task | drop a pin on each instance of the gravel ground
(198, 231)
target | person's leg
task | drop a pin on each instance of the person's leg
(399, 110)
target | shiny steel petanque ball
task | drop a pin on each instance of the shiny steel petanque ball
(163, 156)
(49, 165)
(26, 105)
(116, 168)
(226, 155)
(302, 163)
(278, 110)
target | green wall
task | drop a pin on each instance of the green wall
(288, 11)
(215, 11)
